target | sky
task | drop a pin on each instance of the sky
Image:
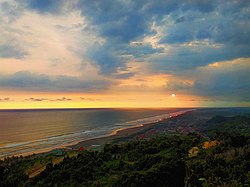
(124, 53)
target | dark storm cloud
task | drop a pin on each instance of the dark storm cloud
(122, 22)
(117, 20)
(25, 80)
(195, 33)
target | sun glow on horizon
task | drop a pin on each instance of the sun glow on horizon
(56, 54)
(104, 100)
(24, 100)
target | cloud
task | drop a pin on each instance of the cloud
(118, 28)
(25, 80)
(11, 51)
(89, 99)
(106, 59)
(114, 26)
(142, 50)
(63, 99)
(213, 26)
(116, 20)
(10, 11)
(124, 75)
(225, 80)
(222, 81)
(6, 99)
(180, 19)
(87, 46)
(31, 99)
(184, 58)
(35, 39)
(179, 24)
(45, 6)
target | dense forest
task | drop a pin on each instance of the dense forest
(168, 159)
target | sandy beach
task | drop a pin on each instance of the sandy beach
(95, 142)
(121, 133)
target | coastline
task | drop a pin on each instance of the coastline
(99, 141)
(124, 132)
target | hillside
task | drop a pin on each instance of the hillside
(169, 159)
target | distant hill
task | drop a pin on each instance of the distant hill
(236, 124)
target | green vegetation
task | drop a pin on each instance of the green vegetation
(235, 124)
(166, 160)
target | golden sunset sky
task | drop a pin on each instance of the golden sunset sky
(95, 54)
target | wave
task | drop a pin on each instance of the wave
(64, 139)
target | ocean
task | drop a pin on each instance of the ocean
(26, 131)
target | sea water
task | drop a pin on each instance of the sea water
(23, 131)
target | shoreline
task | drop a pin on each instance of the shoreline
(101, 140)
